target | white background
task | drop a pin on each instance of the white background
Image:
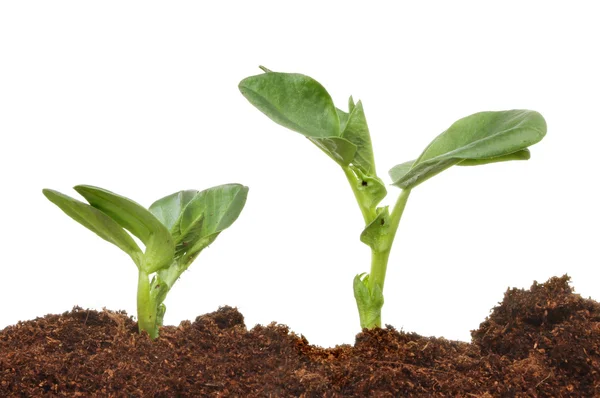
(142, 99)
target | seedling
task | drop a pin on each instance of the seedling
(301, 104)
(174, 230)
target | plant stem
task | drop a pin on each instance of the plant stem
(379, 259)
(367, 213)
(146, 306)
(370, 302)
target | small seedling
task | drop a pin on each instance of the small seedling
(301, 104)
(174, 230)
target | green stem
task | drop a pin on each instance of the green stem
(369, 292)
(146, 306)
(379, 260)
(371, 315)
(367, 213)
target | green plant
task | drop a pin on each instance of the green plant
(301, 104)
(174, 230)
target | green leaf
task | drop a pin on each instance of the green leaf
(295, 101)
(340, 150)
(351, 104)
(208, 213)
(160, 314)
(483, 137)
(400, 170)
(97, 222)
(160, 248)
(357, 132)
(519, 155)
(343, 118)
(159, 286)
(168, 210)
(369, 303)
(302, 104)
(198, 245)
(373, 233)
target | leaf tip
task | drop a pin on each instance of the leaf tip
(82, 188)
(48, 192)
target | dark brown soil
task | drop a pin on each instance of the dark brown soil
(542, 342)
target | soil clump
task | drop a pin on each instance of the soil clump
(541, 342)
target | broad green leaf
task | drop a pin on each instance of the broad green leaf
(302, 104)
(357, 132)
(168, 210)
(97, 222)
(340, 150)
(477, 139)
(160, 248)
(295, 101)
(208, 213)
(373, 233)
(369, 303)
(400, 170)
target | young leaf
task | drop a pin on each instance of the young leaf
(351, 104)
(136, 219)
(302, 104)
(129, 214)
(198, 245)
(379, 227)
(477, 139)
(357, 132)
(209, 213)
(168, 209)
(400, 170)
(97, 222)
(369, 303)
(343, 118)
(295, 101)
(340, 150)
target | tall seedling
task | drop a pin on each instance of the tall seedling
(302, 104)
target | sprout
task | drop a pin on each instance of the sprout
(174, 230)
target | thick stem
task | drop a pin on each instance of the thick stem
(368, 214)
(146, 307)
(379, 259)
(369, 292)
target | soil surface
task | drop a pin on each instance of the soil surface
(541, 342)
